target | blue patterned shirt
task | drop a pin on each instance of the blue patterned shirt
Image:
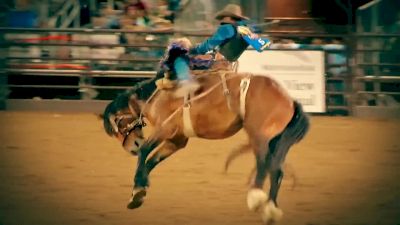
(223, 33)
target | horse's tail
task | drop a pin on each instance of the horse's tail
(293, 133)
(299, 124)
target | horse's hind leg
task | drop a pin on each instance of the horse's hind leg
(279, 147)
(235, 153)
(270, 212)
(256, 197)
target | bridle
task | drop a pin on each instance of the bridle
(123, 133)
(137, 123)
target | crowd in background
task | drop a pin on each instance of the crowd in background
(142, 15)
(162, 15)
(136, 15)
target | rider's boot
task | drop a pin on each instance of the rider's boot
(186, 84)
(186, 87)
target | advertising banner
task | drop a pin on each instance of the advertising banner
(301, 73)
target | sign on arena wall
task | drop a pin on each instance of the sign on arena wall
(300, 72)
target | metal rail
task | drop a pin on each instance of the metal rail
(348, 80)
(381, 78)
(104, 73)
(69, 86)
(72, 44)
(379, 92)
(132, 59)
(291, 33)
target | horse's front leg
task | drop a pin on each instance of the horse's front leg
(141, 180)
(141, 175)
(169, 147)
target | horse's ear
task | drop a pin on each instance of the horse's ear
(133, 96)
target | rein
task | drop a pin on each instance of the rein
(197, 97)
(139, 122)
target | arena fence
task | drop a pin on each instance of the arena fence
(377, 74)
(377, 59)
(70, 69)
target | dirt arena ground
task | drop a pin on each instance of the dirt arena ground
(63, 169)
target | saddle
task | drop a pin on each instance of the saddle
(199, 65)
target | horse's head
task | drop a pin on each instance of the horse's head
(122, 119)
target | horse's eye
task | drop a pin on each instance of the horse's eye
(118, 122)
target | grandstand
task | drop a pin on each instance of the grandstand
(81, 51)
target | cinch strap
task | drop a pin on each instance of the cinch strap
(226, 90)
(244, 87)
(187, 122)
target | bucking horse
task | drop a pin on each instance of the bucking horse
(227, 102)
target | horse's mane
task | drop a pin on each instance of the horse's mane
(143, 90)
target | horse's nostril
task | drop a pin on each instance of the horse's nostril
(133, 152)
(137, 144)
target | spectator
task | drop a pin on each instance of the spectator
(23, 15)
(84, 13)
(392, 45)
(135, 17)
(22, 19)
(108, 19)
(142, 14)
(173, 8)
(284, 44)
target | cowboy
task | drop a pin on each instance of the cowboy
(230, 39)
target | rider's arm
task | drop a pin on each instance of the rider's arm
(251, 25)
(223, 33)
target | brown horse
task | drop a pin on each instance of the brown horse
(226, 103)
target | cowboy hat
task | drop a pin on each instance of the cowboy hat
(231, 10)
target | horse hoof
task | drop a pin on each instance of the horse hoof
(256, 198)
(271, 214)
(137, 198)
